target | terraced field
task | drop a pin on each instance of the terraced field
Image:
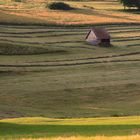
(51, 71)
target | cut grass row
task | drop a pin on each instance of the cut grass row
(72, 37)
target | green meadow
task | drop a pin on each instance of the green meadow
(39, 127)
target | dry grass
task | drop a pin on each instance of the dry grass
(134, 137)
(85, 13)
(61, 17)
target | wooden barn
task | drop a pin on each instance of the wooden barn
(98, 36)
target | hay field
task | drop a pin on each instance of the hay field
(51, 71)
(88, 12)
(48, 73)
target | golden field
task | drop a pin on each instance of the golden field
(91, 12)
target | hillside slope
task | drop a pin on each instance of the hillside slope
(74, 79)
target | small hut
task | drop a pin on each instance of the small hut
(98, 36)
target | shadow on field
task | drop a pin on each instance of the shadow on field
(24, 130)
(13, 49)
(132, 11)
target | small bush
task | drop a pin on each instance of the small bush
(18, 0)
(118, 115)
(59, 6)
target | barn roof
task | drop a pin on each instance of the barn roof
(100, 33)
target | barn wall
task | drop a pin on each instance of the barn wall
(92, 39)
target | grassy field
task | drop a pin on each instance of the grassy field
(52, 72)
(85, 12)
(70, 128)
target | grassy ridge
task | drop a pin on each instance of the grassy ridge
(45, 127)
(84, 12)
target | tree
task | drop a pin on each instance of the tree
(137, 4)
(131, 3)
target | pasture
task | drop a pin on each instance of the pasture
(51, 71)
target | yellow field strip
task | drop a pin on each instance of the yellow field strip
(134, 137)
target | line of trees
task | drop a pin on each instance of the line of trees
(131, 3)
